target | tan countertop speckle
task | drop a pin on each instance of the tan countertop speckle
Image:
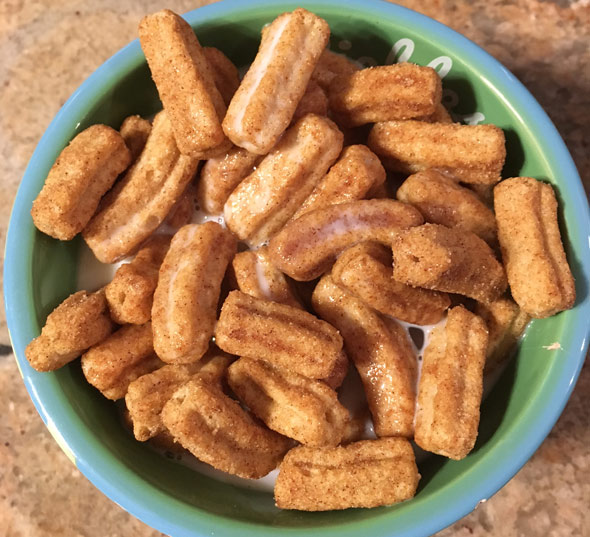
(48, 47)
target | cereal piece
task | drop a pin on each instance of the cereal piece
(381, 352)
(80, 176)
(216, 430)
(147, 395)
(473, 153)
(189, 285)
(362, 474)
(184, 210)
(540, 279)
(225, 73)
(338, 373)
(443, 201)
(506, 323)
(265, 200)
(135, 131)
(285, 336)
(290, 404)
(142, 199)
(306, 248)
(266, 100)
(80, 321)
(256, 276)
(121, 358)
(451, 384)
(384, 93)
(314, 101)
(221, 175)
(365, 271)
(357, 171)
(130, 294)
(330, 65)
(185, 82)
(446, 259)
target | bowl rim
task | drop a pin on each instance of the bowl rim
(139, 497)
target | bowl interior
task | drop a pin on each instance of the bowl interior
(175, 498)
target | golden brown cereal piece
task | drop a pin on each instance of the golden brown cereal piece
(330, 65)
(130, 293)
(189, 284)
(225, 73)
(221, 175)
(473, 153)
(447, 259)
(290, 404)
(443, 201)
(256, 276)
(147, 395)
(142, 199)
(265, 200)
(451, 384)
(135, 131)
(362, 474)
(118, 360)
(80, 321)
(185, 82)
(381, 352)
(540, 279)
(506, 323)
(357, 171)
(306, 248)
(314, 101)
(216, 430)
(365, 271)
(266, 100)
(338, 373)
(384, 93)
(82, 173)
(285, 336)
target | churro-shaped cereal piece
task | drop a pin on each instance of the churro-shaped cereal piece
(189, 284)
(147, 395)
(314, 101)
(306, 247)
(135, 131)
(80, 321)
(130, 293)
(185, 82)
(283, 335)
(225, 73)
(122, 357)
(448, 259)
(451, 384)
(368, 473)
(443, 201)
(264, 104)
(85, 169)
(540, 279)
(365, 271)
(473, 153)
(293, 405)
(265, 200)
(257, 276)
(221, 175)
(330, 65)
(505, 322)
(384, 93)
(357, 171)
(381, 352)
(218, 431)
(142, 199)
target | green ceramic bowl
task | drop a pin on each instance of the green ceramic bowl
(41, 272)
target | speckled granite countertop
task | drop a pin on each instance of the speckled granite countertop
(544, 43)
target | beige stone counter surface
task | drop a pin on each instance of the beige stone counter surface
(48, 47)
